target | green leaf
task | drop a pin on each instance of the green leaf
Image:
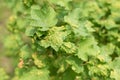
(80, 28)
(36, 74)
(110, 23)
(105, 52)
(115, 64)
(92, 10)
(43, 17)
(118, 51)
(87, 47)
(75, 63)
(63, 3)
(30, 31)
(25, 52)
(73, 17)
(61, 64)
(68, 74)
(115, 74)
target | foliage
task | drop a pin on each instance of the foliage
(65, 39)
(3, 75)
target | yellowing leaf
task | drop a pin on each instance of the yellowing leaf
(55, 38)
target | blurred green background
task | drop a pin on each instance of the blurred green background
(5, 61)
(4, 14)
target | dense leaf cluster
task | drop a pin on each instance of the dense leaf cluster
(65, 39)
